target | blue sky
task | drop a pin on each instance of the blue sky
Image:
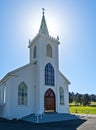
(74, 21)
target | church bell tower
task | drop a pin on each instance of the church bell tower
(44, 55)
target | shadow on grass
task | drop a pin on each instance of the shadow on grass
(24, 125)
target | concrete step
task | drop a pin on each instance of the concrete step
(49, 117)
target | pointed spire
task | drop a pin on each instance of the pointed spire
(43, 27)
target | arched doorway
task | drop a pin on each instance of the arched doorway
(49, 101)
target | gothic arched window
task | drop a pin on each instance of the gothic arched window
(49, 50)
(49, 75)
(61, 91)
(22, 94)
(35, 52)
(4, 94)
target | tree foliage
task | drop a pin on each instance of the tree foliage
(82, 99)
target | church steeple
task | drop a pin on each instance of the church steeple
(43, 27)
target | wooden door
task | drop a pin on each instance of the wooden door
(49, 101)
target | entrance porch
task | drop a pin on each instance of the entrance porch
(50, 117)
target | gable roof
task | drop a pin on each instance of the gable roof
(11, 73)
(65, 78)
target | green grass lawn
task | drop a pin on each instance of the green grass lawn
(83, 109)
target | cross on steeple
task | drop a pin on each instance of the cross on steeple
(43, 10)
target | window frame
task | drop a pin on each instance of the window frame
(49, 51)
(22, 94)
(34, 52)
(61, 95)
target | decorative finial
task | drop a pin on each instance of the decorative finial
(43, 10)
(29, 41)
(58, 38)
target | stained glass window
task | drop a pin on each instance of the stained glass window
(49, 75)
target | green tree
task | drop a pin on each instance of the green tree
(86, 100)
(70, 97)
(78, 98)
(93, 97)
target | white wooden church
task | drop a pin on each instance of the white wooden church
(39, 86)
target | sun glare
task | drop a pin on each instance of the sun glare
(53, 26)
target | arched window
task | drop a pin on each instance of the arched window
(49, 50)
(4, 94)
(49, 75)
(61, 91)
(35, 52)
(22, 94)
